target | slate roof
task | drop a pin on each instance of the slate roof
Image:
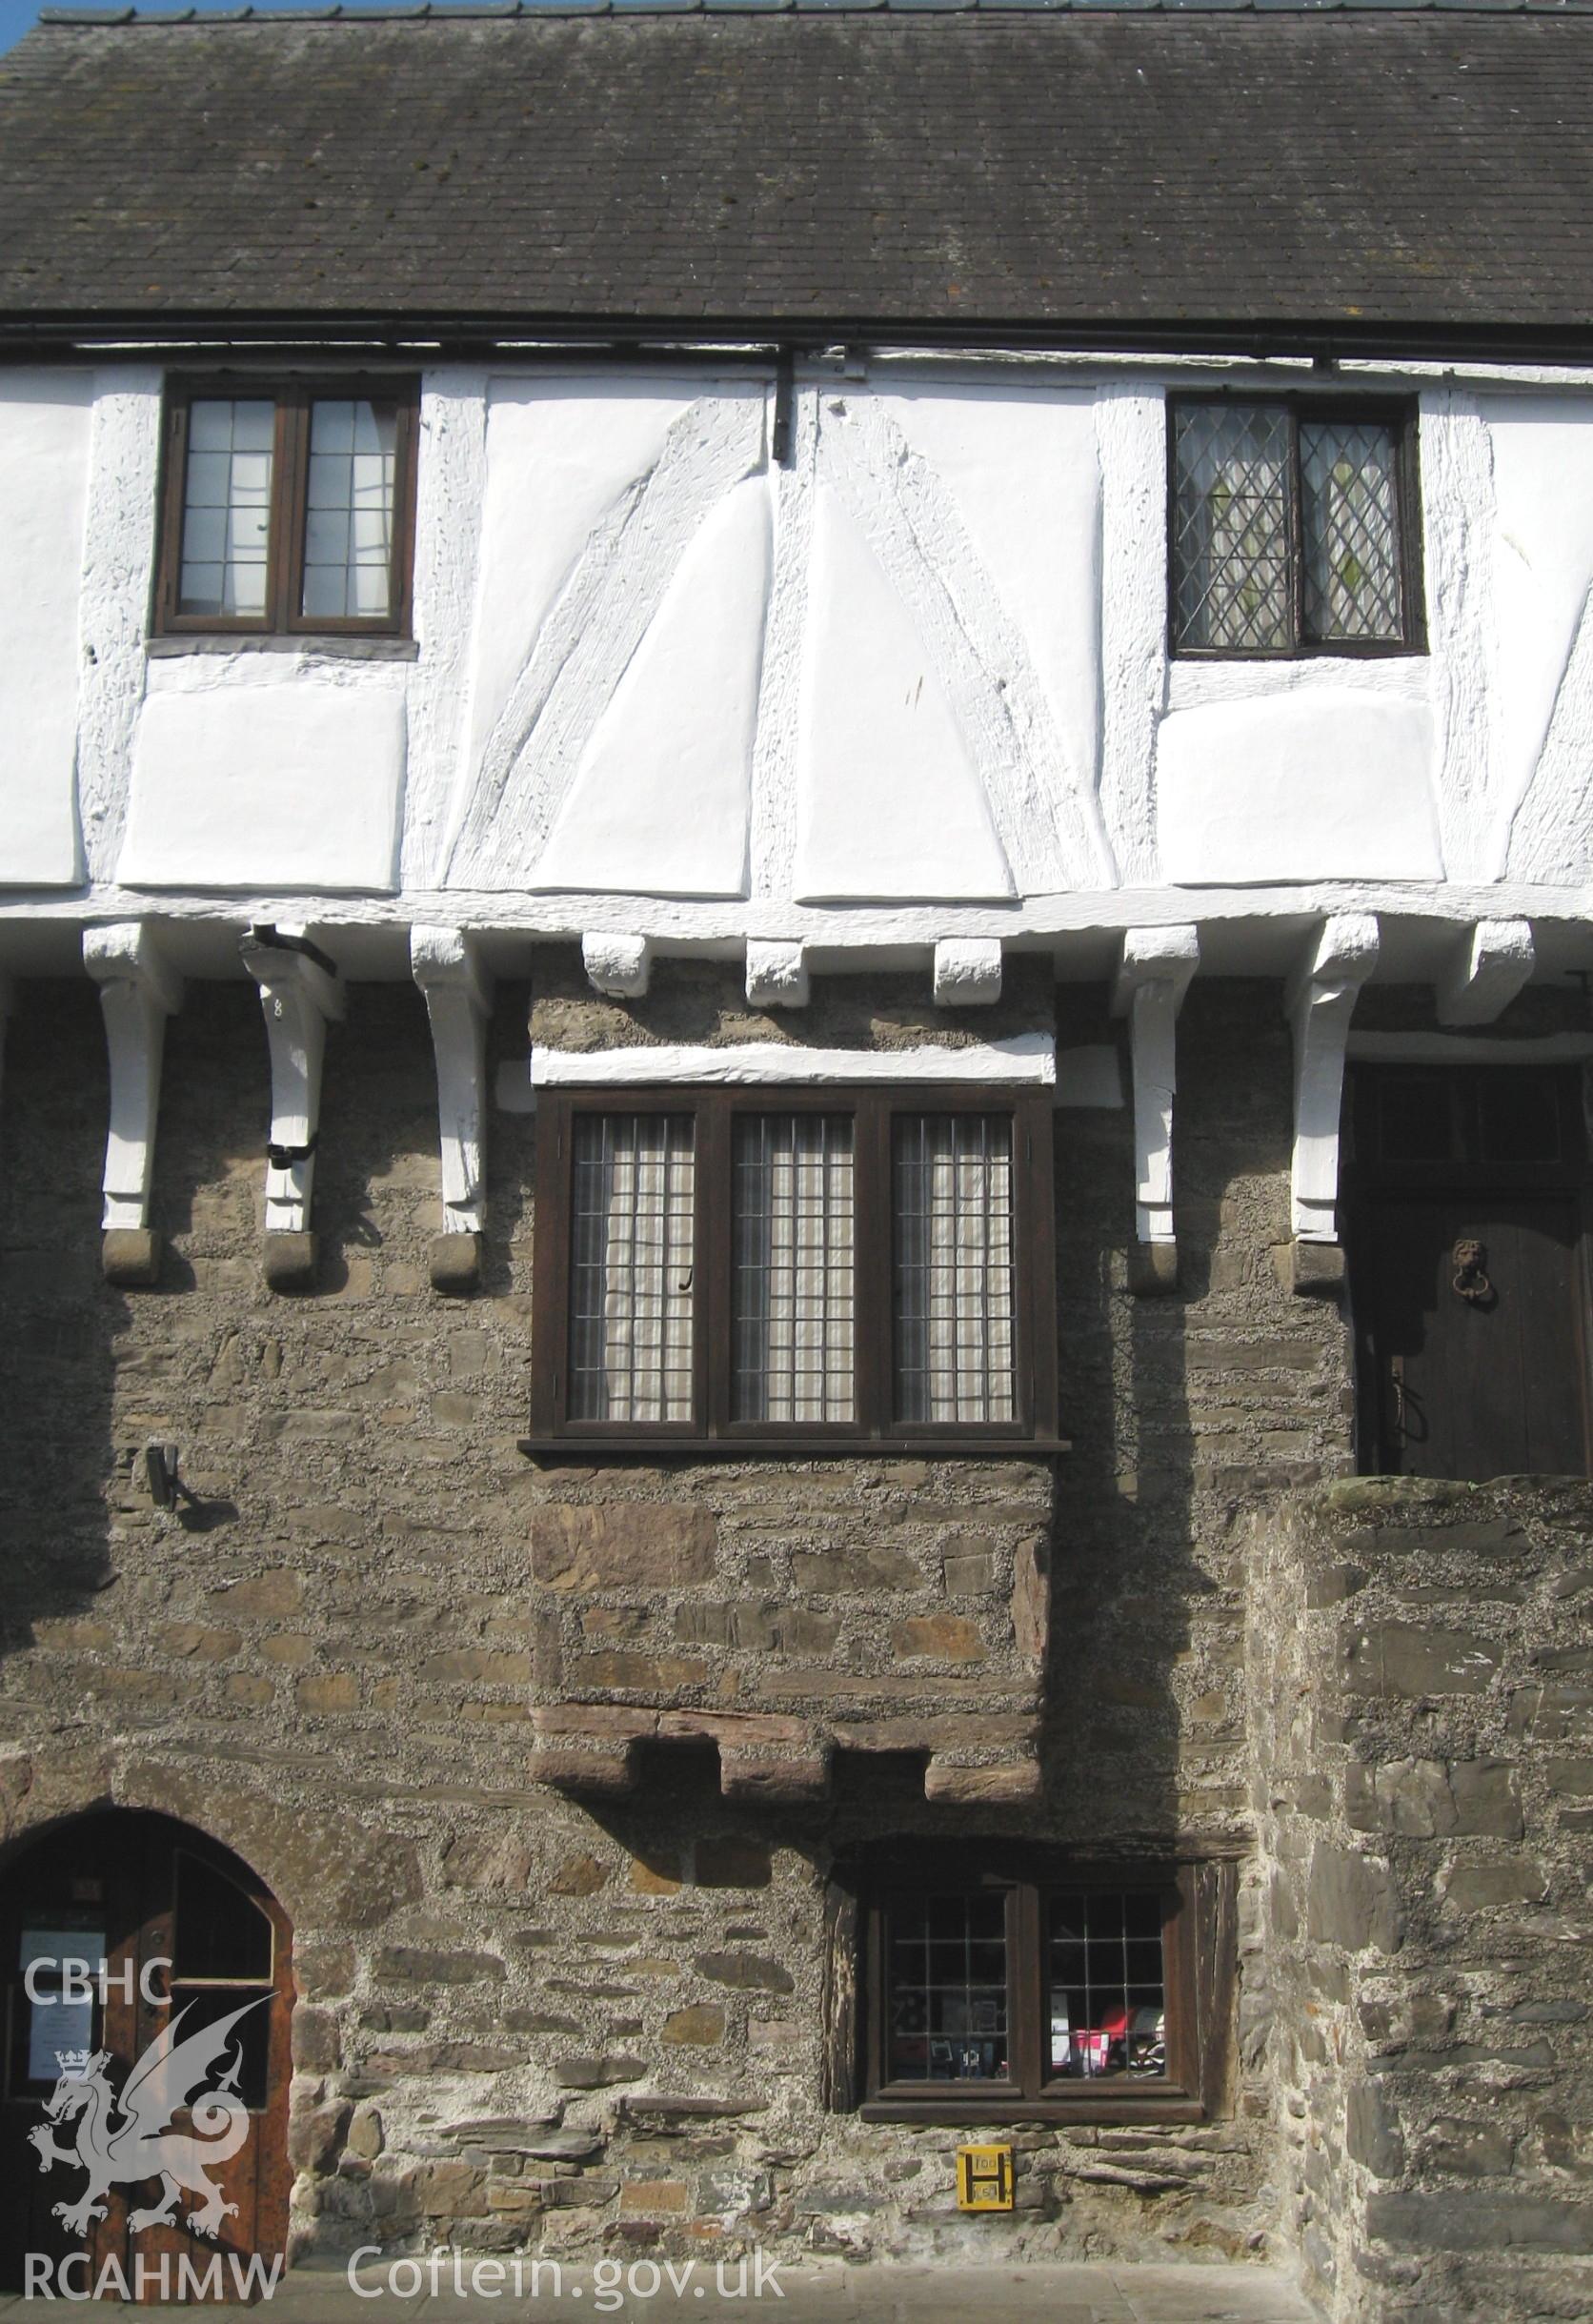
(1063, 172)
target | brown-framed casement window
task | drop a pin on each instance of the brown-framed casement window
(1294, 527)
(813, 1269)
(1025, 1988)
(287, 507)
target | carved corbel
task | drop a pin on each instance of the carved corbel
(1319, 1002)
(1153, 977)
(967, 972)
(138, 990)
(620, 965)
(447, 965)
(1491, 964)
(299, 990)
(776, 974)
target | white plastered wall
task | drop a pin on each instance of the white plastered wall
(44, 478)
(919, 670)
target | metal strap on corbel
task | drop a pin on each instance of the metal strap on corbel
(275, 939)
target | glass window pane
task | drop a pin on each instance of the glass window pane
(946, 2010)
(792, 1268)
(348, 553)
(1230, 522)
(631, 1226)
(1350, 520)
(227, 506)
(952, 1188)
(1106, 1999)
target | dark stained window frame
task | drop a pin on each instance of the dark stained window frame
(293, 395)
(1401, 415)
(1199, 1954)
(712, 1432)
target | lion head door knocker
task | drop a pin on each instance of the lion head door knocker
(1470, 1281)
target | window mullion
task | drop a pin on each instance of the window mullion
(1295, 534)
(874, 1241)
(287, 512)
(1025, 1983)
(711, 1267)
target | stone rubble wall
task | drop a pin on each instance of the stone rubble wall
(528, 2022)
(1422, 1687)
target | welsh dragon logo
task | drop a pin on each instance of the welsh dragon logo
(124, 2139)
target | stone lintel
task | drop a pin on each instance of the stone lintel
(455, 1265)
(129, 1257)
(289, 1260)
(1308, 1267)
(1153, 1268)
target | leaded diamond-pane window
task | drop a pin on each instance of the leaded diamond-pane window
(1231, 528)
(1350, 506)
(1288, 529)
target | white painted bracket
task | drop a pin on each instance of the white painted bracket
(1319, 1002)
(138, 990)
(298, 993)
(621, 965)
(967, 972)
(1153, 977)
(446, 964)
(776, 974)
(1488, 971)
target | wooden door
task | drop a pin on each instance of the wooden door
(188, 1935)
(1467, 1273)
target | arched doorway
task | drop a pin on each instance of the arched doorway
(188, 1938)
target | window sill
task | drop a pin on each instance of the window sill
(329, 646)
(576, 1451)
(1160, 2106)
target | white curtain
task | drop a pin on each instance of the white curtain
(791, 1295)
(955, 1342)
(631, 1267)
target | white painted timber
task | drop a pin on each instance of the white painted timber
(967, 972)
(1336, 783)
(138, 990)
(617, 963)
(299, 997)
(1319, 1002)
(273, 784)
(1489, 968)
(776, 974)
(446, 964)
(1153, 971)
(1023, 1058)
(44, 486)
(118, 579)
